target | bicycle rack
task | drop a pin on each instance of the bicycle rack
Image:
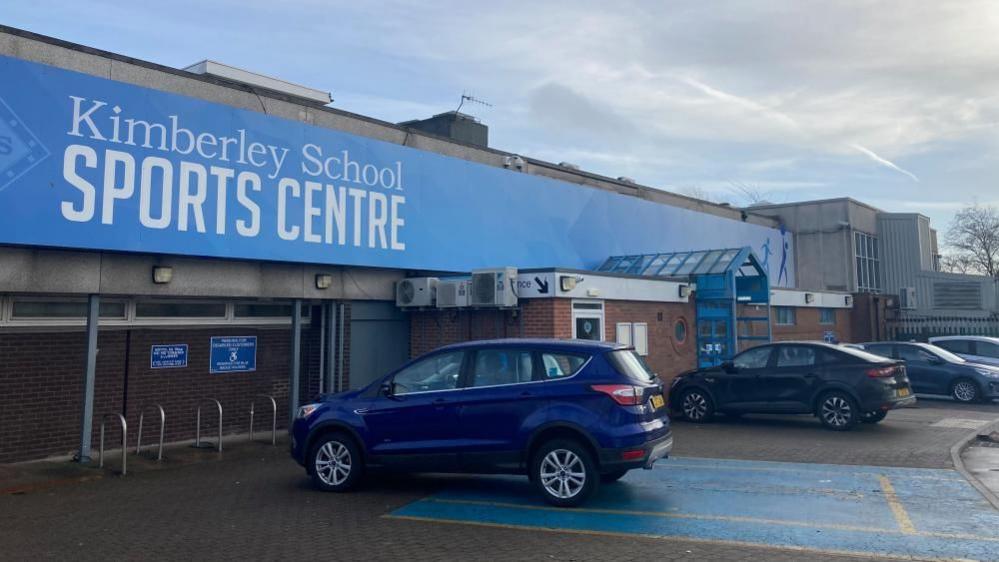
(138, 440)
(124, 440)
(273, 418)
(197, 433)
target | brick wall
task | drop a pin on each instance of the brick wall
(41, 384)
(552, 318)
(668, 356)
(807, 326)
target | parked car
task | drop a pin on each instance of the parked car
(840, 385)
(977, 349)
(934, 370)
(569, 414)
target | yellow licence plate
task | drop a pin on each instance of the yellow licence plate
(904, 392)
(657, 401)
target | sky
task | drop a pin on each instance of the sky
(894, 102)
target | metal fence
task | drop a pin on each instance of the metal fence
(921, 329)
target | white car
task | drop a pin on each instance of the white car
(977, 349)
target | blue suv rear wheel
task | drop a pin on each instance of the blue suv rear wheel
(564, 472)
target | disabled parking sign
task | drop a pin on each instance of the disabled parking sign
(233, 354)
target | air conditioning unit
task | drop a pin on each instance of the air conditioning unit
(452, 293)
(494, 287)
(907, 298)
(416, 292)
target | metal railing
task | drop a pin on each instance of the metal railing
(138, 440)
(197, 433)
(124, 440)
(273, 417)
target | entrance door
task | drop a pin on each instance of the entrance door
(712, 341)
(379, 341)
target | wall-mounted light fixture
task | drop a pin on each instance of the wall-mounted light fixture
(809, 298)
(684, 290)
(567, 283)
(848, 300)
(323, 281)
(162, 274)
(593, 292)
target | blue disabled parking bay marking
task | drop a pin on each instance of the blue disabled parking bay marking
(865, 510)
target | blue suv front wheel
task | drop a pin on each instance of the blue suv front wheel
(335, 463)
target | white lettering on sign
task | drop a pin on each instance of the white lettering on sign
(162, 193)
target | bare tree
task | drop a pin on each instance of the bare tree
(974, 235)
(751, 194)
(957, 263)
(698, 192)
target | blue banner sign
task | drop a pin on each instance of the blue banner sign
(87, 162)
(170, 356)
(233, 354)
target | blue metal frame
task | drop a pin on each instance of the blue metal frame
(725, 279)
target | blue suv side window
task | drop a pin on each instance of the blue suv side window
(495, 367)
(560, 365)
(439, 372)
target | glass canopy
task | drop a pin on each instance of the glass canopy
(677, 264)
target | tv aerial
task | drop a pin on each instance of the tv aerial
(465, 96)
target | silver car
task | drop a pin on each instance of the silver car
(977, 349)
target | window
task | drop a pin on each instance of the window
(884, 350)
(756, 358)
(913, 353)
(784, 315)
(795, 356)
(631, 365)
(588, 320)
(560, 365)
(986, 349)
(955, 346)
(680, 331)
(24, 309)
(439, 372)
(827, 316)
(494, 367)
(167, 309)
(868, 272)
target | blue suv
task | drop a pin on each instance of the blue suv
(568, 414)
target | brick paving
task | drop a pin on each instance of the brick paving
(256, 503)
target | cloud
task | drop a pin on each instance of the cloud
(871, 154)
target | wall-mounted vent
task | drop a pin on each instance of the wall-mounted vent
(956, 294)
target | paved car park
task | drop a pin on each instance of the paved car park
(714, 500)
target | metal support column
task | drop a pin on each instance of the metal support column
(339, 354)
(296, 357)
(329, 369)
(87, 416)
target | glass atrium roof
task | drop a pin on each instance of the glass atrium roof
(677, 264)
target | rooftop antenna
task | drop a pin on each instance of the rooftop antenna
(465, 96)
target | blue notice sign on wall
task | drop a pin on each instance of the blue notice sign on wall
(233, 354)
(169, 356)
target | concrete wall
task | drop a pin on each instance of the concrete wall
(37, 271)
(823, 239)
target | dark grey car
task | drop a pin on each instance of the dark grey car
(934, 370)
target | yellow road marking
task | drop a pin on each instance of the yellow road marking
(618, 534)
(897, 509)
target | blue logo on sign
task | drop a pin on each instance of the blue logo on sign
(20, 151)
(233, 354)
(168, 356)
